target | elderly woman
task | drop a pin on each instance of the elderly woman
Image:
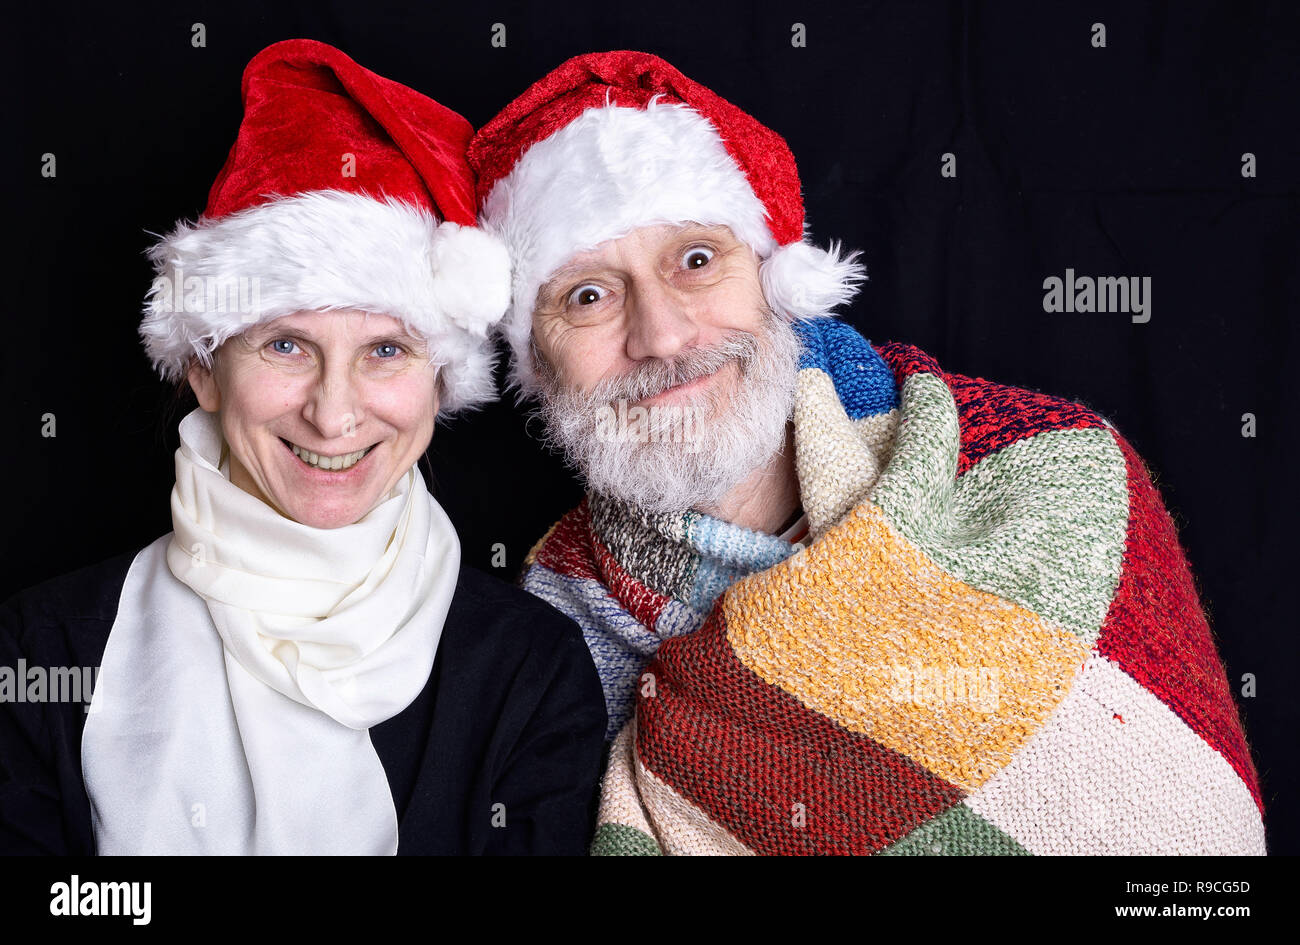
(302, 665)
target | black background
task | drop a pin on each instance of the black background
(1122, 161)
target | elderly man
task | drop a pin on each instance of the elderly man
(841, 600)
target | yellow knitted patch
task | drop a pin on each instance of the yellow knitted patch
(863, 627)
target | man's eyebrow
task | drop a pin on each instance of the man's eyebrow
(565, 274)
(688, 232)
(570, 271)
(701, 230)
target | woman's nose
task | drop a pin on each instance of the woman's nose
(334, 404)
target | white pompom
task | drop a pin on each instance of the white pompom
(471, 277)
(802, 281)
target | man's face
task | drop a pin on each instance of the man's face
(668, 328)
(650, 296)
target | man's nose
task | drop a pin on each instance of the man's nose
(660, 322)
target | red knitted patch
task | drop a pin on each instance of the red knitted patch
(643, 603)
(906, 360)
(567, 549)
(1157, 632)
(631, 79)
(757, 761)
(994, 416)
(991, 416)
(573, 550)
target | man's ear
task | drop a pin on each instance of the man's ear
(204, 385)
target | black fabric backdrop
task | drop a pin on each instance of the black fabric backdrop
(1124, 160)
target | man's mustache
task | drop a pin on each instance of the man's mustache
(656, 376)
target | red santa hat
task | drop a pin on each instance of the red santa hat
(344, 190)
(609, 142)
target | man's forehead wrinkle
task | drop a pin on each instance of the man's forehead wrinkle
(573, 269)
(592, 259)
(584, 262)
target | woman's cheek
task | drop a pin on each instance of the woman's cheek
(408, 394)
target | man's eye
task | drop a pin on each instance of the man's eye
(585, 295)
(697, 258)
(283, 341)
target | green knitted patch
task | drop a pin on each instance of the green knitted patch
(621, 840)
(1041, 522)
(958, 831)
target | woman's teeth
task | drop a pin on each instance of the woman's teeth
(345, 461)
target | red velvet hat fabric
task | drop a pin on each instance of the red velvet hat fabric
(631, 79)
(306, 105)
(344, 190)
(610, 142)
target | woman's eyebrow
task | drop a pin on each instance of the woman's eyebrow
(266, 332)
(398, 335)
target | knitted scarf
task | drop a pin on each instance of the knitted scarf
(993, 643)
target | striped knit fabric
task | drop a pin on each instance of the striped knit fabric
(992, 645)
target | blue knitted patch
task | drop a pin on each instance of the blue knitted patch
(728, 553)
(863, 381)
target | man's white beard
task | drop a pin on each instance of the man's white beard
(682, 457)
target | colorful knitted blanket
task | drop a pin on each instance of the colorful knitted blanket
(993, 643)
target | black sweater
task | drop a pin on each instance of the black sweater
(512, 714)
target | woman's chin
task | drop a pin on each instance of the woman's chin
(329, 498)
(329, 507)
(333, 516)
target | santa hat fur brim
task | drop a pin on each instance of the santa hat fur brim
(615, 169)
(331, 250)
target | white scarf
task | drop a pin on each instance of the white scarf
(249, 657)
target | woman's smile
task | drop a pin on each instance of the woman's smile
(326, 460)
(339, 468)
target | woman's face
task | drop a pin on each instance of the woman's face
(336, 384)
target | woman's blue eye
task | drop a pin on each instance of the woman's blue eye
(283, 341)
(392, 348)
